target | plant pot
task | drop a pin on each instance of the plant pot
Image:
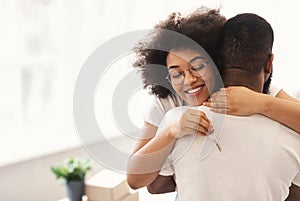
(75, 190)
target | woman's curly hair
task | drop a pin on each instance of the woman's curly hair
(204, 26)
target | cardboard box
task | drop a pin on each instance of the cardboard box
(107, 185)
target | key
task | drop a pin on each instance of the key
(219, 146)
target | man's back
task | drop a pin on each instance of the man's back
(258, 161)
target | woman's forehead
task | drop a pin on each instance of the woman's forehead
(185, 55)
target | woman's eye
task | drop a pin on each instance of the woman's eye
(175, 75)
(200, 67)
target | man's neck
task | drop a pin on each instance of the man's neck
(238, 77)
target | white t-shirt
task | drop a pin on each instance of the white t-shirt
(259, 160)
(160, 106)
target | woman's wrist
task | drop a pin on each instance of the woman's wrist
(170, 133)
(263, 103)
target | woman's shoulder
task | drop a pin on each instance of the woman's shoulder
(169, 102)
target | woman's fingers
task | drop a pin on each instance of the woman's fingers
(218, 100)
(198, 121)
(216, 105)
(199, 115)
(221, 111)
(219, 94)
(196, 130)
(200, 118)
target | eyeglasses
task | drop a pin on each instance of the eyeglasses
(175, 77)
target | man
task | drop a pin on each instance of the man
(260, 158)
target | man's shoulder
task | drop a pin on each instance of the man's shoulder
(260, 122)
(256, 118)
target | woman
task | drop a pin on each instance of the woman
(204, 27)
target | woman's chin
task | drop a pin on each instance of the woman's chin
(196, 99)
(194, 102)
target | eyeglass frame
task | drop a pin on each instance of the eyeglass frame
(190, 71)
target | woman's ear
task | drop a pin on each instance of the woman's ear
(269, 67)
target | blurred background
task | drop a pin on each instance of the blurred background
(43, 45)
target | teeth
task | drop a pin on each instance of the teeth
(194, 90)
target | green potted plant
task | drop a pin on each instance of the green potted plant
(72, 172)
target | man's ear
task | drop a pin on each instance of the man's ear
(268, 67)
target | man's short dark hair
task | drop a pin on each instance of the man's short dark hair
(247, 42)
